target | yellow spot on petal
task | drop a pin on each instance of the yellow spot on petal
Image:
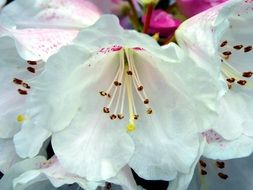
(20, 118)
(130, 127)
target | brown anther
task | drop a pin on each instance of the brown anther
(129, 72)
(229, 86)
(116, 83)
(149, 111)
(108, 186)
(32, 62)
(17, 81)
(109, 95)
(220, 164)
(242, 82)
(203, 172)
(223, 43)
(202, 163)
(247, 74)
(247, 49)
(238, 47)
(136, 117)
(25, 85)
(31, 69)
(113, 116)
(226, 53)
(140, 88)
(222, 175)
(22, 92)
(120, 116)
(231, 80)
(102, 93)
(146, 101)
(106, 110)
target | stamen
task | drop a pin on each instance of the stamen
(129, 72)
(149, 111)
(31, 69)
(220, 165)
(120, 116)
(203, 172)
(32, 62)
(17, 81)
(113, 116)
(247, 74)
(223, 43)
(202, 163)
(125, 80)
(238, 47)
(102, 93)
(242, 82)
(247, 49)
(222, 176)
(25, 85)
(226, 53)
(22, 92)
(106, 110)
(231, 80)
(146, 101)
(20, 118)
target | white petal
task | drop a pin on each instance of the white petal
(125, 179)
(56, 13)
(8, 155)
(51, 170)
(17, 169)
(28, 134)
(173, 92)
(36, 44)
(183, 179)
(240, 147)
(93, 147)
(11, 104)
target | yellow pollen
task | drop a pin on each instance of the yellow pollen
(20, 118)
(130, 127)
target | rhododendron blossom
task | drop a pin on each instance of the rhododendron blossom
(118, 82)
(216, 41)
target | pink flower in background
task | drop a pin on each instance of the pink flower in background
(192, 7)
(162, 23)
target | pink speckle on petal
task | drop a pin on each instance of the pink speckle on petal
(138, 48)
(44, 42)
(213, 137)
(110, 49)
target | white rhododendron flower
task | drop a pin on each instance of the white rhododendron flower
(220, 39)
(110, 82)
(22, 56)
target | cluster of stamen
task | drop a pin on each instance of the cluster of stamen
(23, 86)
(124, 83)
(233, 76)
(220, 166)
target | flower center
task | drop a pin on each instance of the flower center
(233, 76)
(125, 85)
